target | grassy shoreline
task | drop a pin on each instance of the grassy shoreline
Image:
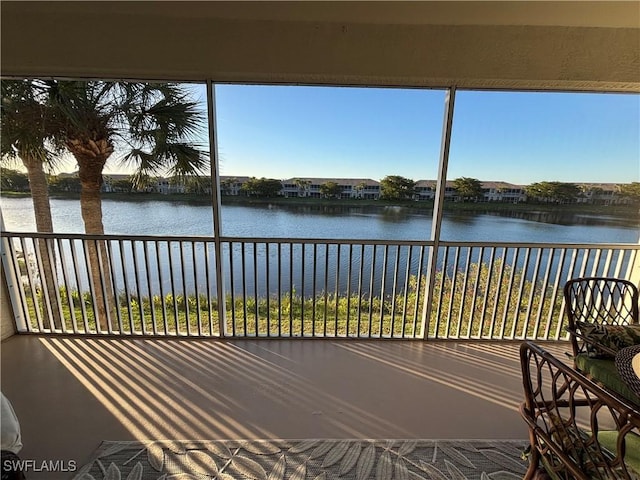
(632, 210)
(482, 305)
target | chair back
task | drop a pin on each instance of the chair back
(601, 300)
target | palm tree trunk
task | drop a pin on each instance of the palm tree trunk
(44, 224)
(90, 173)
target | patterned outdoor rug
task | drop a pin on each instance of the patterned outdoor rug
(307, 459)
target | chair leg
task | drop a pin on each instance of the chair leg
(534, 471)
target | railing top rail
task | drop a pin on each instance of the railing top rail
(323, 241)
(84, 236)
(224, 239)
(621, 246)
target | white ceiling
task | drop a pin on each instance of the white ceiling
(571, 45)
(616, 14)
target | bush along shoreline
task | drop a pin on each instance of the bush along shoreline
(480, 306)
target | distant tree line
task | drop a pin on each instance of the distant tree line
(392, 187)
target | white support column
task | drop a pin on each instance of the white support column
(634, 269)
(438, 204)
(11, 320)
(215, 201)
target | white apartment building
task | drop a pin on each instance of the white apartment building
(364, 188)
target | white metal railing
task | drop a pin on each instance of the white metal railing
(168, 286)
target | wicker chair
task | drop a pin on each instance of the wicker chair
(577, 429)
(598, 302)
(601, 300)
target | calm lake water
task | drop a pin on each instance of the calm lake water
(388, 223)
(187, 267)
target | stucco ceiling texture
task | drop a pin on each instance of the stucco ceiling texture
(532, 45)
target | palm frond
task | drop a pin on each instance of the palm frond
(184, 159)
(26, 123)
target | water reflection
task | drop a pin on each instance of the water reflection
(378, 222)
(560, 218)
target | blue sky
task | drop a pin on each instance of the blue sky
(283, 132)
(518, 137)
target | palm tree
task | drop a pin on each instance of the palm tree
(152, 126)
(360, 188)
(27, 136)
(303, 186)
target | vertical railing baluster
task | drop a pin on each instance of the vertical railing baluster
(268, 281)
(302, 285)
(498, 293)
(244, 290)
(114, 284)
(632, 264)
(407, 281)
(607, 263)
(163, 304)
(232, 282)
(572, 264)
(454, 284)
(520, 291)
(15, 263)
(554, 296)
(279, 289)
(596, 264)
(125, 278)
(47, 310)
(105, 286)
(382, 288)
(621, 254)
(371, 285)
(291, 292)
(443, 280)
(314, 288)
(585, 261)
(512, 276)
(475, 293)
(326, 287)
(487, 288)
(51, 258)
(534, 282)
(337, 297)
(418, 292)
(256, 299)
(543, 293)
(396, 268)
(67, 287)
(185, 290)
(463, 297)
(176, 316)
(195, 286)
(91, 285)
(207, 276)
(32, 284)
(83, 308)
(349, 289)
(360, 275)
(154, 327)
(138, 289)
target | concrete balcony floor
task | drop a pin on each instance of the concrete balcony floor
(72, 393)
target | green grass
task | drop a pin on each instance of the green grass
(483, 306)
